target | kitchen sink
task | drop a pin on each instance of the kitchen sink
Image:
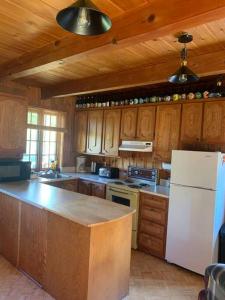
(53, 175)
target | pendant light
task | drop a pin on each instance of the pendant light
(184, 74)
(84, 18)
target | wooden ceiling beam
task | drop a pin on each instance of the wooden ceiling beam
(155, 19)
(203, 65)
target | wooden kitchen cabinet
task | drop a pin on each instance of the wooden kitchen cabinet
(90, 188)
(214, 122)
(138, 124)
(167, 131)
(70, 185)
(128, 124)
(94, 131)
(33, 241)
(9, 228)
(54, 183)
(13, 122)
(81, 131)
(84, 187)
(98, 190)
(153, 224)
(111, 132)
(146, 123)
(191, 127)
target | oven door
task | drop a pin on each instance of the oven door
(127, 198)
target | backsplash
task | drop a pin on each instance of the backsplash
(142, 160)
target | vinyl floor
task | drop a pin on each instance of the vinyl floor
(151, 279)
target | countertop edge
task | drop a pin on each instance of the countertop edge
(154, 193)
(75, 220)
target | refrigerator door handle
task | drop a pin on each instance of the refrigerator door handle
(193, 187)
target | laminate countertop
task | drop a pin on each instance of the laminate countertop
(158, 190)
(85, 210)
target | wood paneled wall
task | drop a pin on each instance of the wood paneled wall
(33, 95)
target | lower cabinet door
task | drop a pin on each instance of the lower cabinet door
(70, 185)
(33, 241)
(151, 244)
(9, 228)
(152, 229)
(98, 190)
(155, 215)
(84, 187)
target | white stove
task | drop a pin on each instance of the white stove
(126, 192)
(133, 185)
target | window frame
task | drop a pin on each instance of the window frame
(40, 127)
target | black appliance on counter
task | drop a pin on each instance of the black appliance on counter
(109, 172)
(14, 170)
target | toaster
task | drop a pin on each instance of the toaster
(109, 172)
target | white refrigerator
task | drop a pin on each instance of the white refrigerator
(196, 208)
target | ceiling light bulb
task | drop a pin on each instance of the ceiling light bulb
(183, 78)
(83, 18)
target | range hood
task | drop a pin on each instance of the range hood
(136, 146)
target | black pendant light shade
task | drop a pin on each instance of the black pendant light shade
(84, 18)
(184, 74)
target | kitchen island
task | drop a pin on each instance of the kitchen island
(75, 246)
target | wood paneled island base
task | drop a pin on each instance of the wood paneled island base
(88, 262)
(71, 260)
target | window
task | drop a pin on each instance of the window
(44, 137)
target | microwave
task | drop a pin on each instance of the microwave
(13, 170)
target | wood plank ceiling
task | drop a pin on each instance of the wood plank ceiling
(208, 38)
(26, 26)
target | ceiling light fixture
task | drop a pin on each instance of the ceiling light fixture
(184, 74)
(84, 18)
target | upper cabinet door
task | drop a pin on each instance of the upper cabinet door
(111, 132)
(13, 122)
(81, 131)
(128, 124)
(191, 128)
(146, 123)
(214, 122)
(167, 131)
(94, 131)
